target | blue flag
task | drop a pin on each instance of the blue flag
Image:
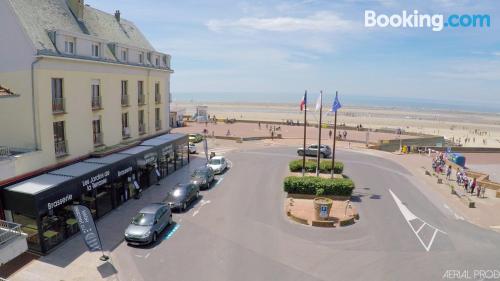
(336, 103)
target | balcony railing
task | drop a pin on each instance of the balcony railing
(158, 125)
(61, 148)
(125, 100)
(141, 100)
(96, 103)
(98, 139)
(58, 105)
(142, 129)
(125, 132)
(157, 98)
(9, 231)
(4, 151)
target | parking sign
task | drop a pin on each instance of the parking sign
(323, 211)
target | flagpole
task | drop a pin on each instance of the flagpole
(319, 135)
(305, 124)
(334, 139)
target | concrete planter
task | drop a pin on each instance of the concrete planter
(322, 202)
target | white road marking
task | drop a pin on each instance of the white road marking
(495, 226)
(139, 256)
(409, 216)
(204, 202)
(147, 255)
(196, 212)
(458, 217)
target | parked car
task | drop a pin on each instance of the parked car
(203, 177)
(195, 138)
(312, 150)
(182, 195)
(218, 164)
(148, 223)
(192, 148)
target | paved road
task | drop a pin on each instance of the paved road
(238, 231)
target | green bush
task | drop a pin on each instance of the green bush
(325, 166)
(318, 186)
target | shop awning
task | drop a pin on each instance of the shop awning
(39, 194)
(164, 143)
(144, 155)
(89, 176)
(121, 164)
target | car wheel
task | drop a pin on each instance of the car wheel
(323, 155)
(155, 237)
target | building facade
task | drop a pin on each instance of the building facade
(87, 82)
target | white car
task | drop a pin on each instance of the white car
(218, 164)
(192, 148)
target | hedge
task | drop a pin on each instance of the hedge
(325, 166)
(318, 186)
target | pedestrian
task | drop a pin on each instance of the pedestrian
(473, 186)
(479, 189)
(448, 173)
(228, 133)
(345, 135)
(483, 190)
(330, 134)
(259, 125)
(272, 135)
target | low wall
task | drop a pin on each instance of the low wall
(394, 144)
(467, 149)
(308, 196)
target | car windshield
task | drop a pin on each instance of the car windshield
(215, 161)
(200, 173)
(143, 219)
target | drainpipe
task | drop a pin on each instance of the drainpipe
(33, 106)
(149, 99)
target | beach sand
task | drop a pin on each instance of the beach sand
(482, 129)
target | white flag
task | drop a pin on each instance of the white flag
(319, 101)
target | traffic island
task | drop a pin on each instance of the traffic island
(321, 202)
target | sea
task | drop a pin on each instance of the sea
(491, 106)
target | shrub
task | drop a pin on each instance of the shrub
(318, 186)
(325, 166)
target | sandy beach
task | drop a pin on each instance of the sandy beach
(481, 129)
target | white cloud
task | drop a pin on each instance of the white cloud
(320, 22)
(466, 70)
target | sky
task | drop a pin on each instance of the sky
(282, 47)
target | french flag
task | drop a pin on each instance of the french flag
(303, 102)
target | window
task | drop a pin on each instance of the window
(96, 94)
(124, 92)
(95, 50)
(141, 58)
(157, 119)
(124, 55)
(57, 95)
(69, 47)
(157, 61)
(59, 139)
(140, 92)
(96, 130)
(125, 127)
(142, 127)
(157, 92)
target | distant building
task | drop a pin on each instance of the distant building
(87, 81)
(177, 117)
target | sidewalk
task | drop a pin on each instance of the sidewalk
(72, 261)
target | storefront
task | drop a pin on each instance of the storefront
(42, 205)
(95, 183)
(123, 171)
(172, 152)
(146, 158)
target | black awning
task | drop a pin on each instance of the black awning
(120, 164)
(87, 176)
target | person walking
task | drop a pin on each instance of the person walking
(330, 134)
(345, 135)
(479, 190)
(473, 186)
(448, 173)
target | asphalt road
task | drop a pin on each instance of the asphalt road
(238, 231)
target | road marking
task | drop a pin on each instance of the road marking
(219, 180)
(139, 256)
(409, 216)
(204, 202)
(196, 212)
(457, 217)
(147, 255)
(172, 232)
(495, 226)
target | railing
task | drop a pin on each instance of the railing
(4, 151)
(96, 102)
(97, 139)
(158, 125)
(61, 148)
(141, 99)
(157, 98)
(9, 231)
(58, 105)
(125, 100)
(142, 128)
(125, 132)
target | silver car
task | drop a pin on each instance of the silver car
(148, 223)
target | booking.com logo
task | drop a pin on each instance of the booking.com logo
(416, 20)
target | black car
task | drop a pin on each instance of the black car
(182, 195)
(203, 177)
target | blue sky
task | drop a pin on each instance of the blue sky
(286, 46)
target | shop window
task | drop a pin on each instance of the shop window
(29, 226)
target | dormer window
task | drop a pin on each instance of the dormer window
(124, 55)
(69, 47)
(96, 50)
(141, 58)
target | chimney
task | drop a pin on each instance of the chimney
(76, 7)
(117, 15)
